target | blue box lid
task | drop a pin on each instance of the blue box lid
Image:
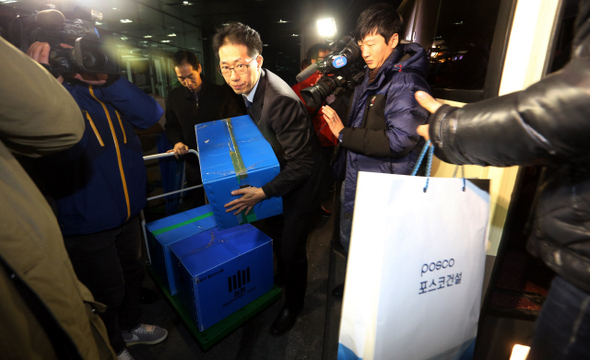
(232, 147)
(209, 249)
(179, 226)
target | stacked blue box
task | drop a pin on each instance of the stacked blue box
(164, 232)
(220, 271)
(234, 154)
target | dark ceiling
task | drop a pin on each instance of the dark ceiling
(284, 26)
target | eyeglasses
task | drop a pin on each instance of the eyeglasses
(240, 69)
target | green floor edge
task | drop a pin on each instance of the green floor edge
(206, 339)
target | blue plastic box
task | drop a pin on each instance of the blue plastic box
(164, 232)
(220, 271)
(234, 154)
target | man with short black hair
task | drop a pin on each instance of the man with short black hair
(381, 132)
(283, 120)
(196, 101)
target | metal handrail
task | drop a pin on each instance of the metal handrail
(167, 154)
(155, 157)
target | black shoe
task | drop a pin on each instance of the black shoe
(338, 291)
(284, 322)
(147, 296)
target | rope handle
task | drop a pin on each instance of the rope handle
(428, 147)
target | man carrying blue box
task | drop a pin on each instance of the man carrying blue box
(283, 120)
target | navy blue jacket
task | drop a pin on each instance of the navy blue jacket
(100, 183)
(381, 134)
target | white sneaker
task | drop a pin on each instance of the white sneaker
(145, 334)
(125, 355)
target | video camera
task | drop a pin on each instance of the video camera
(342, 68)
(88, 55)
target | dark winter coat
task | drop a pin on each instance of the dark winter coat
(100, 183)
(183, 113)
(284, 122)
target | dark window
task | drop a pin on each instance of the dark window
(564, 35)
(460, 52)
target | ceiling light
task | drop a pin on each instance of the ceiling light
(172, 35)
(295, 35)
(186, 3)
(124, 38)
(98, 23)
(327, 27)
(283, 21)
(147, 36)
(165, 41)
(126, 21)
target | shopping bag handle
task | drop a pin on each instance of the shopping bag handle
(430, 150)
(428, 147)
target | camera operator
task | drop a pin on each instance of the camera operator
(381, 136)
(327, 139)
(99, 187)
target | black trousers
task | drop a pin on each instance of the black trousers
(111, 265)
(289, 234)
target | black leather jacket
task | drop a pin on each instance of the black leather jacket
(548, 124)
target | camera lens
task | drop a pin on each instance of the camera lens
(314, 96)
(93, 59)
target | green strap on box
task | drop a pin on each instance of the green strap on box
(240, 170)
(234, 153)
(175, 226)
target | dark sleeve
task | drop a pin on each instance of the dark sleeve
(140, 109)
(172, 126)
(391, 126)
(292, 127)
(546, 123)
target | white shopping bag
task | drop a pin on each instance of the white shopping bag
(415, 268)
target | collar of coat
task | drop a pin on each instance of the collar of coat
(189, 94)
(257, 105)
(406, 57)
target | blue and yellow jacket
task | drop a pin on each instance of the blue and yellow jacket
(100, 183)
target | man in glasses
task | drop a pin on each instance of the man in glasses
(283, 120)
(195, 102)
